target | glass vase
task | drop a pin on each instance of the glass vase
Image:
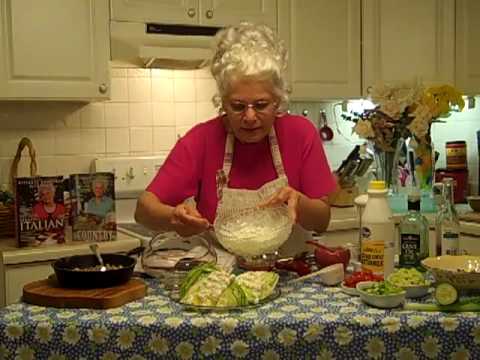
(388, 169)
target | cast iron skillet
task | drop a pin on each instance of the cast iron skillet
(69, 278)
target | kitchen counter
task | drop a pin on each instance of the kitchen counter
(347, 218)
(308, 320)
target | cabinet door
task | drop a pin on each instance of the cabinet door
(157, 11)
(55, 49)
(467, 46)
(408, 39)
(17, 276)
(226, 12)
(323, 38)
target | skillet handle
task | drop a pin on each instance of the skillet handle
(136, 251)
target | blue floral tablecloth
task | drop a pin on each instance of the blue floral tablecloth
(306, 322)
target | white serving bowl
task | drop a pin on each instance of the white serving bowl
(380, 301)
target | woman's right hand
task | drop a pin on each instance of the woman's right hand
(187, 221)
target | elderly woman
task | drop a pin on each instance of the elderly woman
(253, 146)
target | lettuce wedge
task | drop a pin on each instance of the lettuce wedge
(257, 285)
(206, 290)
(233, 295)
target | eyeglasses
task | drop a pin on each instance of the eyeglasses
(260, 106)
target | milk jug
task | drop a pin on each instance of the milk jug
(377, 231)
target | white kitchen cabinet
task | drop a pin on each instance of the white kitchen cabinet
(20, 266)
(408, 39)
(323, 38)
(54, 49)
(195, 12)
(467, 46)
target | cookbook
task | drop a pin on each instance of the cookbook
(40, 212)
(92, 197)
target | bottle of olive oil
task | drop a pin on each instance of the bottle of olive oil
(413, 230)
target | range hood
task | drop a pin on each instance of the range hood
(160, 46)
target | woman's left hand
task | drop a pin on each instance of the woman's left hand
(286, 195)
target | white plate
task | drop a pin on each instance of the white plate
(348, 290)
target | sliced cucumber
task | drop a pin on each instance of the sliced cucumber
(446, 294)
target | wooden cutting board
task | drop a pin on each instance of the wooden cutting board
(49, 293)
(472, 216)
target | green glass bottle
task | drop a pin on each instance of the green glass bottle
(413, 230)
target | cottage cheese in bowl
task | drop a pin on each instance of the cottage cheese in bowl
(254, 232)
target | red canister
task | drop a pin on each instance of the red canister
(456, 152)
(460, 182)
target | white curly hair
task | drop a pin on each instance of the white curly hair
(249, 51)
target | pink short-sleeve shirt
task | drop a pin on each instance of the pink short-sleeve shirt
(190, 168)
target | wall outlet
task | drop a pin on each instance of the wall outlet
(132, 174)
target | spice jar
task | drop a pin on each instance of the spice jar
(456, 154)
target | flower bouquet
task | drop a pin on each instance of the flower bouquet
(401, 112)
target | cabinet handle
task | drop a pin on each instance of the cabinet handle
(191, 12)
(209, 14)
(103, 88)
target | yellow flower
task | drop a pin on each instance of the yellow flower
(126, 338)
(431, 347)
(406, 354)
(343, 335)
(25, 353)
(14, 331)
(287, 337)
(475, 333)
(461, 354)
(391, 324)
(210, 345)
(71, 335)
(184, 350)
(313, 331)
(239, 348)
(375, 348)
(449, 323)
(270, 355)
(261, 331)
(158, 345)
(44, 332)
(228, 325)
(325, 354)
(98, 334)
(109, 355)
(173, 321)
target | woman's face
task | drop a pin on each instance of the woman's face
(251, 109)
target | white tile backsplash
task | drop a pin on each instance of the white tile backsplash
(140, 114)
(162, 89)
(149, 110)
(141, 139)
(183, 90)
(118, 140)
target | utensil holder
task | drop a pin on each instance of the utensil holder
(7, 211)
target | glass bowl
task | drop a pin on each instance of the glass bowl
(254, 232)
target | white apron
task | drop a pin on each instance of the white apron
(231, 200)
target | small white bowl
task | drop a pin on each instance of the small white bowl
(416, 291)
(380, 301)
(348, 290)
(331, 275)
